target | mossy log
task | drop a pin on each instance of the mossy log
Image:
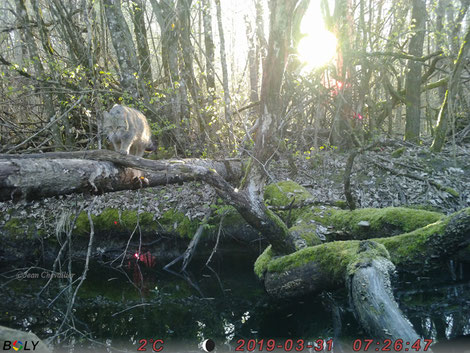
(365, 267)
(317, 268)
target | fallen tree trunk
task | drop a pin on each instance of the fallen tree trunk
(372, 298)
(52, 174)
(374, 304)
(323, 267)
(365, 267)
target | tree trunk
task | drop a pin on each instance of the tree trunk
(223, 60)
(53, 64)
(184, 16)
(166, 14)
(374, 304)
(209, 48)
(413, 77)
(447, 104)
(35, 176)
(252, 60)
(366, 267)
(270, 116)
(71, 33)
(67, 172)
(455, 24)
(123, 45)
(327, 266)
(140, 32)
(39, 69)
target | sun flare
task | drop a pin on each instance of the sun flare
(318, 46)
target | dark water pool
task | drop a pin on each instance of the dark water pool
(118, 308)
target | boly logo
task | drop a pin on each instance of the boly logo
(17, 345)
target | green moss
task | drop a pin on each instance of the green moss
(332, 258)
(231, 218)
(261, 263)
(307, 232)
(13, 227)
(382, 222)
(368, 250)
(276, 219)
(109, 219)
(341, 257)
(82, 226)
(335, 257)
(306, 225)
(398, 152)
(174, 221)
(452, 192)
(282, 193)
(341, 204)
(21, 228)
(112, 220)
(413, 245)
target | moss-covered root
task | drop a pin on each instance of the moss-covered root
(372, 298)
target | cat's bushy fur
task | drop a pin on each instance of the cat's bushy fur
(128, 130)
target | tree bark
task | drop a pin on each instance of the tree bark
(52, 174)
(223, 61)
(366, 267)
(413, 77)
(446, 107)
(374, 304)
(166, 14)
(209, 47)
(140, 32)
(281, 14)
(39, 69)
(252, 60)
(123, 45)
(184, 16)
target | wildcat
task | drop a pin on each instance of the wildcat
(128, 130)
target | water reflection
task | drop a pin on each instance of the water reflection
(120, 306)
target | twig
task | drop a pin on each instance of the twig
(214, 250)
(189, 253)
(47, 125)
(84, 273)
(130, 308)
